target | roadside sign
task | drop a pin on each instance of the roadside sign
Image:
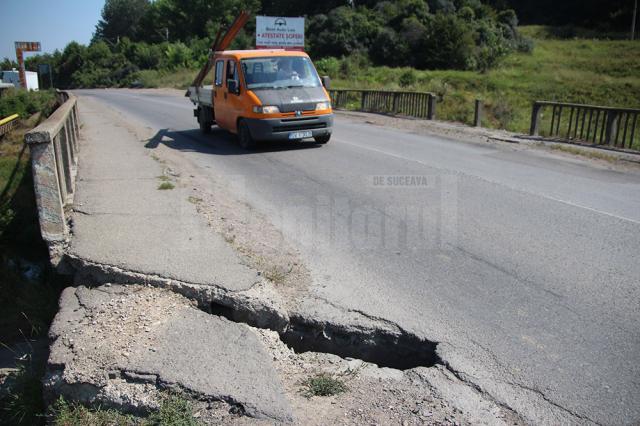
(279, 32)
(21, 47)
(28, 46)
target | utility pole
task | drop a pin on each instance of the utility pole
(633, 22)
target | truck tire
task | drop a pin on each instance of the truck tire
(244, 136)
(204, 120)
(322, 139)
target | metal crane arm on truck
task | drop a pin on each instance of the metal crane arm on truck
(219, 45)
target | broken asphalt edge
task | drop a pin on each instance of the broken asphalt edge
(259, 308)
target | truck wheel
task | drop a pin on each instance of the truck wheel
(203, 120)
(244, 136)
(322, 139)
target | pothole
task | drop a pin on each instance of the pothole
(385, 348)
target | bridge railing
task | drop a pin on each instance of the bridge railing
(54, 158)
(598, 125)
(7, 124)
(412, 104)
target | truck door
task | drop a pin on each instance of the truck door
(233, 98)
(220, 95)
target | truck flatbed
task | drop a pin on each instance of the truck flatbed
(202, 95)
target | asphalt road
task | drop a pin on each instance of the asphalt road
(522, 264)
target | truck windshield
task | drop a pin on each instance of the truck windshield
(279, 72)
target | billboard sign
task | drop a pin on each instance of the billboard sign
(279, 32)
(28, 46)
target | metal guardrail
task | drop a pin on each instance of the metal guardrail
(7, 124)
(54, 158)
(412, 104)
(615, 127)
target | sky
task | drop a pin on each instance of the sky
(54, 23)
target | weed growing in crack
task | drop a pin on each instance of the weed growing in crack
(164, 178)
(64, 413)
(166, 185)
(174, 410)
(323, 385)
(276, 274)
(23, 402)
(194, 200)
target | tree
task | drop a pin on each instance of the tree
(447, 43)
(121, 18)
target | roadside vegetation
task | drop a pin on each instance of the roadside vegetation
(28, 289)
(589, 71)
(323, 385)
(174, 411)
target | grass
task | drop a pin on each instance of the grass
(27, 305)
(323, 385)
(179, 78)
(65, 413)
(24, 405)
(276, 274)
(600, 72)
(174, 411)
(165, 186)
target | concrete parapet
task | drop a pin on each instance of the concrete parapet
(54, 159)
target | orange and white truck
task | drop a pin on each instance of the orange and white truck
(262, 95)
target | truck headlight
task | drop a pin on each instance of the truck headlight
(269, 109)
(323, 105)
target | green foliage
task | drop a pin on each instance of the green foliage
(174, 411)
(323, 385)
(25, 103)
(23, 405)
(328, 66)
(135, 36)
(121, 18)
(8, 64)
(178, 55)
(64, 413)
(600, 72)
(447, 43)
(407, 78)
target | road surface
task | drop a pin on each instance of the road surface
(521, 264)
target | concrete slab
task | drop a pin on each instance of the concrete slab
(121, 346)
(122, 219)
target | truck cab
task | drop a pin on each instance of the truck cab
(264, 95)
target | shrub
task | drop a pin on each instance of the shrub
(408, 78)
(503, 112)
(328, 66)
(447, 43)
(178, 55)
(25, 103)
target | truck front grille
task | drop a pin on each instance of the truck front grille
(305, 125)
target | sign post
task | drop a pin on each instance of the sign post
(25, 46)
(279, 32)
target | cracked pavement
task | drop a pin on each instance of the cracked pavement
(518, 263)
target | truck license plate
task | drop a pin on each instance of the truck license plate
(300, 135)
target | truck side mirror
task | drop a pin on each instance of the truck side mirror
(233, 86)
(326, 81)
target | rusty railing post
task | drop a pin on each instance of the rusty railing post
(535, 119)
(611, 127)
(477, 116)
(431, 112)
